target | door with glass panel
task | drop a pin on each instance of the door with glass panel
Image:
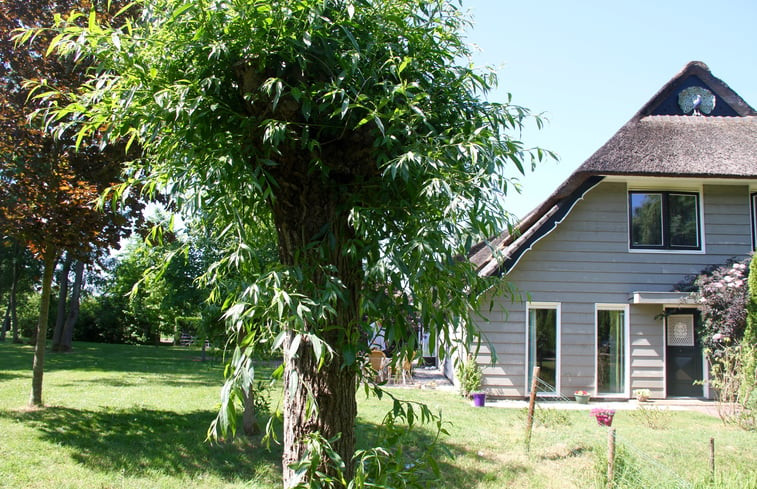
(683, 354)
(611, 351)
(542, 346)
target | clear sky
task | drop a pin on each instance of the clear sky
(589, 66)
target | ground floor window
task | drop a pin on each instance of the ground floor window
(754, 221)
(611, 351)
(543, 325)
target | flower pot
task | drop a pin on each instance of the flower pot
(603, 416)
(604, 419)
(479, 399)
(582, 398)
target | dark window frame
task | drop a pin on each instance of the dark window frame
(666, 239)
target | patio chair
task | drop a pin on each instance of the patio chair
(379, 364)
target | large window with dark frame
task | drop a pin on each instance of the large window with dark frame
(664, 220)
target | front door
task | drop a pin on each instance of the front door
(684, 354)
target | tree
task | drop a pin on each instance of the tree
(18, 274)
(48, 190)
(357, 126)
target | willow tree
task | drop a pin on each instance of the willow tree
(359, 127)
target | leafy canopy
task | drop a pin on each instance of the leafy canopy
(226, 98)
(356, 132)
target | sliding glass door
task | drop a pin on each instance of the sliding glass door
(543, 346)
(611, 351)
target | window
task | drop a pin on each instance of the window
(543, 346)
(754, 221)
(664, 220)
(611, 351)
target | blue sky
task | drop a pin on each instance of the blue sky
(588, 66)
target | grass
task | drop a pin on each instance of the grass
(136, 417)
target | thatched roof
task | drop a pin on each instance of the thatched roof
(679, 146)
(653, 143)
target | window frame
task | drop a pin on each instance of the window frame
(665, 221)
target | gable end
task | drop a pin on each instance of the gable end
(696, 74)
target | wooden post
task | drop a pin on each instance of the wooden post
(610, 457)
(712, 458)
(531, 405)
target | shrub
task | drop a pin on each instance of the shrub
(721, 293)
(652, 417)
(470, 376)
(549, 418)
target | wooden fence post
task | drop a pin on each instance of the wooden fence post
(610, 458)
(531, 404)
(712, 458)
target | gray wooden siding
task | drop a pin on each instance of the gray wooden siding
(647, 349)
(586, 261)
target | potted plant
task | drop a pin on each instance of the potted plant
(641, 395)
(582, 397)
(603, 416)
(470, 376)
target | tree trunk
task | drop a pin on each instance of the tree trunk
(49, 257)
(250, 423)
(6, 322)
(313, 230)
(15, 277)
(333, 389)
(60, 316)
(67, 337)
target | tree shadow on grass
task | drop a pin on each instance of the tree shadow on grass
(142, 442)
(139, 442)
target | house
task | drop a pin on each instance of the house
(673, 191)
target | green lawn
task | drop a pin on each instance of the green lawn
(136, 417)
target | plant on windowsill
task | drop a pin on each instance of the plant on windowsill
(470, 376)
(582, 397)
(641, 395)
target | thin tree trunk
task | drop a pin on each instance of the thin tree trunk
(73, 308)
(38, 366)
(60, 316)
(15, 277)
(6, 322)
(250, 423)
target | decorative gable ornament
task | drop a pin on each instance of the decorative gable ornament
(697, 100)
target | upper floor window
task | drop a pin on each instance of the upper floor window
(664, 220)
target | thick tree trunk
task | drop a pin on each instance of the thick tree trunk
(313, 230)
(333, 392)
(60, 316)
(38, 366)
(67, 335)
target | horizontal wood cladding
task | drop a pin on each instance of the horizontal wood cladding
(587, 254)
(586, 261)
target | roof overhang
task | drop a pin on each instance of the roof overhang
(662, 298)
